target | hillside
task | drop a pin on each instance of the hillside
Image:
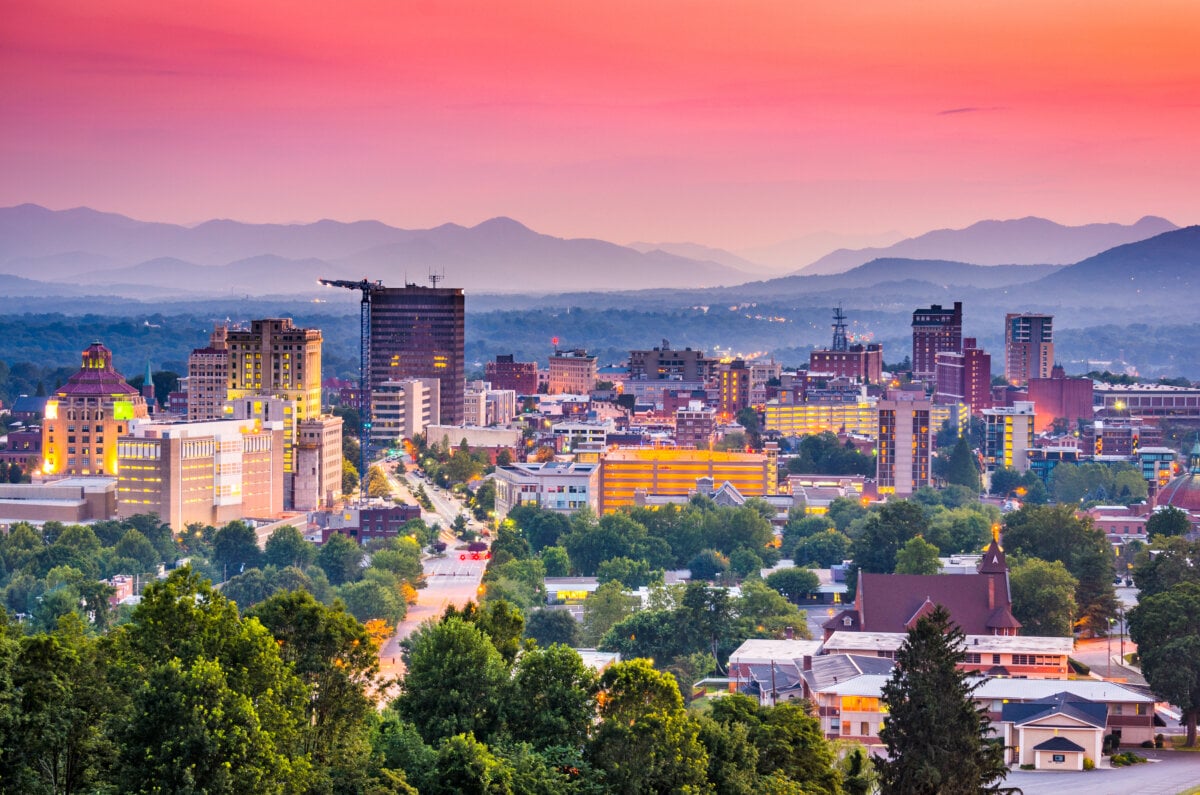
(1024, 241)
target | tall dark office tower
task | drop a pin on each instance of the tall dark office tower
(1028, 347)
(417, 332)
(934, 330)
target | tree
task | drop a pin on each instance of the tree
(235, 548)
(1166, 628)
(556, 561)
(824, 549)
(918, 556)
(603, 608)
(795, 583)
(368, 599)
(552, 699)
(340, 559)
(135, 546)
(744, 562)
(937, 737)
(1176, 561)
(1169, 521)
(884, 532)
(962, 469)
(632, 574)
(788, 740)
(349, 476)
(1043, 597)
(708, 565)
(454, 681)
(548, 626)
(287, 547)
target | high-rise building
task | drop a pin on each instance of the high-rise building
(905, 443)
(403, 409)
(1008, 436)
(418, 332)
(1028, 347)
(843, 360)
(520, 377)
(935, 330)
(273, 358)
(208, 378)
(85, 416)
(318, 479)
(695, 426)
(733, 381)
(572, 373)
(965, 377)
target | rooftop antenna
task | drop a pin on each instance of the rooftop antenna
(839, 330)
(435, 277)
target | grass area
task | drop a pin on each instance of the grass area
(1177, 742)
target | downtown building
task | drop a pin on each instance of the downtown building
(905, 443)
(626, 473)
(935, 330)
(520, 377)
(572, 372)
(418, 333)
(1008, 436)
(1028, 347)
(964, 376)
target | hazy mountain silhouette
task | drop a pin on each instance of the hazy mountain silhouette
(497, 255)
(704, 253)
(1024, 241)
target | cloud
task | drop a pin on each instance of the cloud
(952, 111)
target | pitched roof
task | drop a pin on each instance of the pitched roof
(834, 668)
(1058, 744)
(993, 560)
(889, 601)
(1063, 703)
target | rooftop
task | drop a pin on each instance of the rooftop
(890, 641)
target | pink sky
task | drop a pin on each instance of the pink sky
(731, 124)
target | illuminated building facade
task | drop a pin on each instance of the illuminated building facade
(695, 426)
(674, 472)
(1008, 436)
(418, 332)
(861, 362)
(806, 419)
(85, 416)
(572, 373)
(1028, 347)
(403, 409)
(905, 444)
(665, 364)
(935, 330)
(274, 358)
(1060, 398)
(964, 376)
(208, 472)
(733, 383)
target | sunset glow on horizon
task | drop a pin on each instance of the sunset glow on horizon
(727, 124)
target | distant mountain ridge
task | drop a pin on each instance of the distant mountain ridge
(1022, 241)
(499, 255)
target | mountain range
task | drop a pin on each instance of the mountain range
(84, 251)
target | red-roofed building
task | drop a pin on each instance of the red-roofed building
(981, 604)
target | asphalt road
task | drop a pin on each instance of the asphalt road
(1173, 772)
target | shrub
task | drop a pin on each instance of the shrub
(1148, 744)
(1028, 767)
(1080, 669)
(1088, 764)
(1158, 741)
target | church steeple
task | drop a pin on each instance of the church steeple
(993, 561)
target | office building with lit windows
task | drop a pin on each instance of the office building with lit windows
(418, 332)
(1008, 436)
(207, 384)
(1028, 347)
(858, 417)
(84, 417)
(935, 330)
(572, 373)
(675, 472)
(905, 443)
(207, 472)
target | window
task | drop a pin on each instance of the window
(845, 727)
(866, 729)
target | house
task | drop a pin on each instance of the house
(1053, 733)
(1016, 656)
(1130, 711)
(771, 669)
(981, 603)
(844, 706)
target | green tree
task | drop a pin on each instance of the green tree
(708, 565)
(788, 740)
(287, 547)
(962, 469)
(632, 574)
(824, 549)
(917, 556)
(1169, 521)
(1166, 628)
(1043, 597)
(884, 532)
(368, 599)
(350, 478)
(235, 549)
(552, 699)
(556, 561)
(603, 608)
(466, 766)
(548, 626)
(1175, 561)
(745, 563)
(340, 559)
(796, 583)
(937, 737)
(454, 681)
(135, 546)
(844, 511)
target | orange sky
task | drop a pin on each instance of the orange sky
(732, 124)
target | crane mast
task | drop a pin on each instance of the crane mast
(364, 371)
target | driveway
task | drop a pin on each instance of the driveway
(1173, 772)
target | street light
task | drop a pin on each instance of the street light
(1111, 622)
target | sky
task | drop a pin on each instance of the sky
(732, 124)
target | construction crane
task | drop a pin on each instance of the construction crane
(368, 288)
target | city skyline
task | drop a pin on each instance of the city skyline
(677, 123)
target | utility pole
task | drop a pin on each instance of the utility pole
(364, 372)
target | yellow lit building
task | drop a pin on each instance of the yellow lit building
(85, 416)
(674, 472)
(807, 419)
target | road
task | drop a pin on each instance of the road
(1173, 773)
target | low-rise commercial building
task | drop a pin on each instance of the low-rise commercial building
(625, 472)
(556, 486)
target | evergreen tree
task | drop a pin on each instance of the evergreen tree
(936, 735)
(962, 470)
